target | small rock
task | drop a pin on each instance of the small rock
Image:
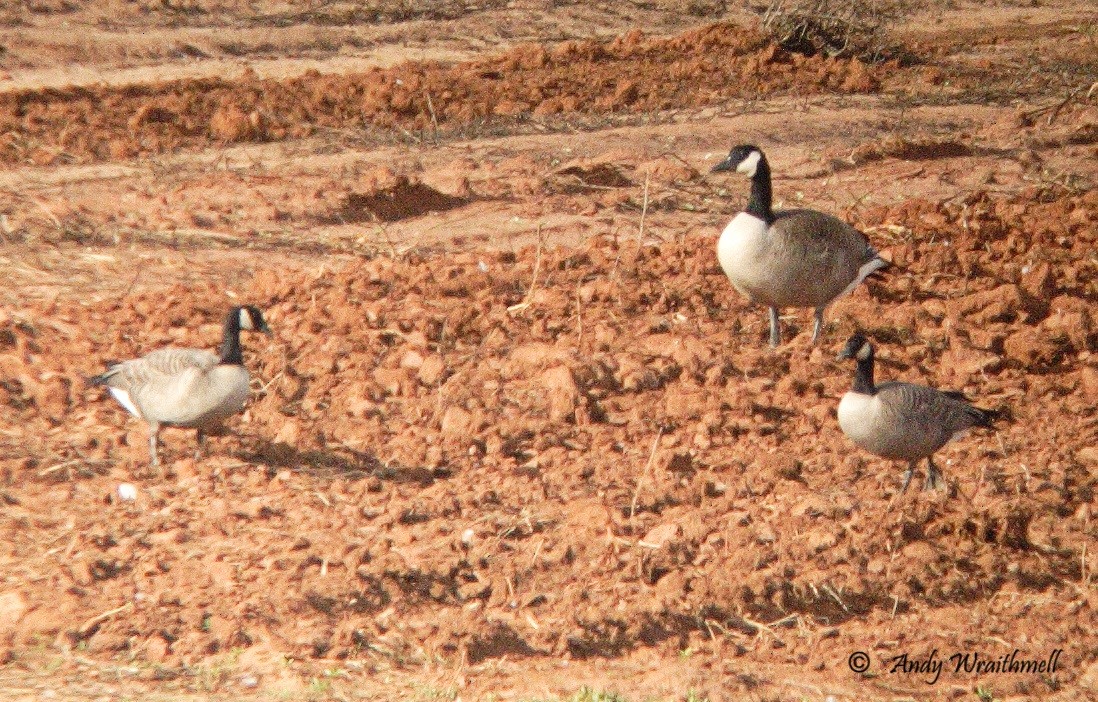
(660, 535)
(12, 609)
(920, 552)
(1031, 348)
(1039, 281)
(391, 380)
(476, 590)
(456, 422)
(431, 370)
(413, 359)
(821, 540)
(764, 534)
(1088, 379)
(467, 537)
(563, 393)
(156, 649)
(288, 433)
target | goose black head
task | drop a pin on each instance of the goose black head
(744, 159)
(857, 347)
(251, 319)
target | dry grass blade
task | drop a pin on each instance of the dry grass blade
(644, 210)
(647, 468)
(527, 299)
(98, 619)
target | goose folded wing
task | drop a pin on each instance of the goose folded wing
(158, 366)
(814, 230)
(932, 410)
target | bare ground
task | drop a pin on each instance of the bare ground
(515, 433)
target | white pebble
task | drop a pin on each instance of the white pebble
(467, 536)
(127, 492)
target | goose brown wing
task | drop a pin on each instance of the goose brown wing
(157, 367)
(816, 257)
(931, 411)
(821, 236)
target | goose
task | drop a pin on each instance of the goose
(790, 258)
(188, 388)
(903, 421)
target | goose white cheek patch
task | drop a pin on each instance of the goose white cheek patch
(749, 164)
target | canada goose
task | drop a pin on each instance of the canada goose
(792, 258)
(903, 421)
(186, 387)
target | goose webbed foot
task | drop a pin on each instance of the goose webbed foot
(775, 333)
(934, 480)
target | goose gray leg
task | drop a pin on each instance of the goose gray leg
(818, 325)
(154, 431)
(934, 479)
(907, 476)
(200, 446)
(775, 334)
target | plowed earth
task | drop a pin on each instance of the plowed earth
(487, 467)
(630, 74)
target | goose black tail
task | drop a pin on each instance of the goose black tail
(103, 378)
(97, 380)
(983, 417)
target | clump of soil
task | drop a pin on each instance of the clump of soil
(389, 197)
(909, 149)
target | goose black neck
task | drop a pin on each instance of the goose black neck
(761, 196)
(231, 354)
(863, 376)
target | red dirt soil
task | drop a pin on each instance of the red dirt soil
(573, 452)
(496, 469)
(630, 74)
